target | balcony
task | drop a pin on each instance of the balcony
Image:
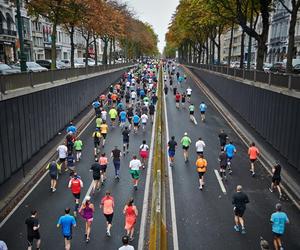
(8, 32)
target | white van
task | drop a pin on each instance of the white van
(295, 61)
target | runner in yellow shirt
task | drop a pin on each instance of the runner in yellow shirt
(103, 131)
(113, 115)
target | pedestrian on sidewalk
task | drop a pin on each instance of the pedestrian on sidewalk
(134, 169)
(239, 200)
(116, 155)
(66, 222)
(107, 204)
(96, 168)
(253, 153)
(75, 184)
(200, 145)
(54, 168)
(78, 148)
(278, 219)
(130, 211)
(201, 165)
(276, 179)
(186, 142)
(144, 152)
(33, 233)
(87, 212)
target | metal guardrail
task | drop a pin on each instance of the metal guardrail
(30, 79)
(289, 81)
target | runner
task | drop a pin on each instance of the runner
(130, 211)
(130, 116)
(202, 108)
(192, 110)
(175, 90)
(113, 115)
(154, 98)
(103, 161)
(189, 93)
(122, 116)
(75, 184)
(87, 212)
(253, 153)
(70, 138)
(183, 97)
(239, 200)
(78, 148)
(33, 233)
(200, 145)
(103, 131)
(97, 137)
(126, 246)
(54, 168)
(230, 152)
(66, 222)
(151, 111)
(223, 138)
(103, 115)
(201, 165)
(127, 98)
(223, 164)
(134, 166)
(71, 164)
(116, 155)
(166, 89)
(136, 121)
(276, 179)
(133, 96)
(62, 155)
(107, 203)
(186, 142)
(177, 100)
(71, 128)
(278, 219)
(172, 144)
(144, 119)
(98, 121)
(125, 135)
(144, 151)
(96, 168)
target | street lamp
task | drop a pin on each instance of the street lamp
(21, 40)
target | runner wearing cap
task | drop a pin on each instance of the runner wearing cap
(75, 184)
(87, 212)
(186, 142)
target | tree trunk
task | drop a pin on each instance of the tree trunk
(110, 50)
(207, 51)
(53, 46)
(249, 58)
(71, 33)
(199, 53)
(114, 50)
(291, 52)
(230, 45)
(87, 40)
(219, 46)
(95, 50)
(104, 58)
(242, 50)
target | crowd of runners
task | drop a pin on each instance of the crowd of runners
(130, 105)
(182, 94)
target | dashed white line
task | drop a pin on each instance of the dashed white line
(220, 181)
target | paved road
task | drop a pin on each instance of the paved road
(205, 218)
(51, 205)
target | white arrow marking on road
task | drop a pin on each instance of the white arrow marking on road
(220, 181)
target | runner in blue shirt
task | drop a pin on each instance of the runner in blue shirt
(71, 128)
(230, 152)
(66, 222)
(202, 108)
(96, 105)
(123, 115)
(136, 120)
(278, 220)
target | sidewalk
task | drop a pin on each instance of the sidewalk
(290, 176)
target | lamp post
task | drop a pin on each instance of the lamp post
(21, 40)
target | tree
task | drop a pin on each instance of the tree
(293, 11)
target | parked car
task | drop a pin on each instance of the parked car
(278, 67)
(234, 64)
(266, 67)
(44, 63)
(6, 70)
(67, 62)
(81, 60)
(31, 67)
(296, 69)
(78, 63)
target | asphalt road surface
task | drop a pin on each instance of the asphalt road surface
(205, 218)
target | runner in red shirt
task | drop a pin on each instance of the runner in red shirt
(75, 184)
(253, 153)
(177, 99)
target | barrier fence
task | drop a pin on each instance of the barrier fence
(289, 81)
(30, 79)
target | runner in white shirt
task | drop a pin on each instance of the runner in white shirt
(135, 165)
(144, 119)
(133, 96)
(103, 115)
(144, 149)
(189, 93)
(127, 84)
(126, 246)
(200, 145)
(62, 155)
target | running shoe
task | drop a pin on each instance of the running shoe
(236, 228)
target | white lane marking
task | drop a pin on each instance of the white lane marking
(172, 197)
(146, 192)
(194, 120)
(35, 185)
(220, 181)
(88, 192)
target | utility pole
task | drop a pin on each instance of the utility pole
(250, 39)
(21, 40)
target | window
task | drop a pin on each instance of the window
(8, 21)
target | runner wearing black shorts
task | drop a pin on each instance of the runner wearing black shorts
(33, 230)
